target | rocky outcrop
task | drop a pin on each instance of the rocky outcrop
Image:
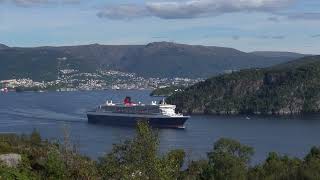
(10, 160)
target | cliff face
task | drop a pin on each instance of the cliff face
(288, 89)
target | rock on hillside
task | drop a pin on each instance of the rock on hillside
(10, 160)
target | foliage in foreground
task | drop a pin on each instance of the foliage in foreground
(138, 158)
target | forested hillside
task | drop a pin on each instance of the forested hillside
(288, 88)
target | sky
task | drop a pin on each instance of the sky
(247, 25)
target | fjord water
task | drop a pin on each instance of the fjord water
(52, 113)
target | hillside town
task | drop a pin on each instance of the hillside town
(72, 80)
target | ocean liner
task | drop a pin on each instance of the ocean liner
(160, 115)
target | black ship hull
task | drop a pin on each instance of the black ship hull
(131, 120)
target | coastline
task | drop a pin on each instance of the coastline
(251, 114)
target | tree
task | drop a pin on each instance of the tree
(277, 167)
(311, 165)
(196, 171)
(138, 158)
(229, 160)
(173, 162)
(35, 137)
(54, 166)
(76, 165)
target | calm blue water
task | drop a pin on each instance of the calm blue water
(53, 112)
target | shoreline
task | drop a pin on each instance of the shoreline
(253, 114)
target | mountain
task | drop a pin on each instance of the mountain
(164, 59)
(3, 46)
(278, 54)
(158, 59)
(288, 88)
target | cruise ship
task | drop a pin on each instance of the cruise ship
(159, 115)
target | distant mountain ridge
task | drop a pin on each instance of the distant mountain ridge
(3, 46)
(158, 59)
(279, 54)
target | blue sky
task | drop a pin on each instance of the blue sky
(247, 25)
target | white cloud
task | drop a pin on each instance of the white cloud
(305, 16)
(195, 8)
(235, 37)
(273, 19)
(126, 11)
(27, 3)
(191, 8)
(316, 36)
(272, 37)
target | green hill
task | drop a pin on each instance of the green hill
(288, 88)
(166, 91)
